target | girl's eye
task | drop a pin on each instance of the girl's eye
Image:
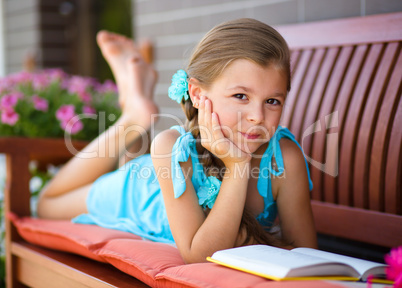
(273, 101)
(240, 96)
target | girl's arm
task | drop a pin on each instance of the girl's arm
(293, 198)
(197, 235)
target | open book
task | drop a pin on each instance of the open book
(297, 264)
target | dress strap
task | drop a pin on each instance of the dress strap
(207, 188)
(274, 151)
(181, 151)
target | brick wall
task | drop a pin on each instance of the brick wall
(175, 26)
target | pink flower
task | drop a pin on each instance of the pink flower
(65, 113)
(10, 100)
(394, 271)
(77, 84)
(107, 86)
(88, 110)
(72, 126)
(3, 86)
(40, 81)
(9, 116)
(55, 74)
(84, 96)
(21, 77)
(40, 104)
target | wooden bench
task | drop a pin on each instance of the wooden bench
(347, 80)
(352, 69)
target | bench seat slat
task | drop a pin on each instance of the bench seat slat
(305, 95)
(321, 150)
(314, 116)
(366, 132)
(365, 135)
(360, 197)
(356, 56)
(389, 177)
(313, 108)
(393, 171)
(297, 80)
(352, 126)
(294, 60)
(342, 105)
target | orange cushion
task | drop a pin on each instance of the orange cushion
(141, 259)
(66, 236)
(156, 264)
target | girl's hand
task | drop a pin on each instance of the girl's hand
(212, 137)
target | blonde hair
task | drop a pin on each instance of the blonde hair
(238, 39)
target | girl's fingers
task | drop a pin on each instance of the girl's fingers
(208, 114)
(216, 127)
(221, 144)
(201, 120)
(201, 106)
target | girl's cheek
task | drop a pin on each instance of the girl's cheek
(274, 118)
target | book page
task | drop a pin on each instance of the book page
(269, 260)
(362, 266)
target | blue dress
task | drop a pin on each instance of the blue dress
(130, 198)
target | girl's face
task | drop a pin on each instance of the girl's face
(248, 99)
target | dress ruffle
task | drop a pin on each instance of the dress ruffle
(208, 192)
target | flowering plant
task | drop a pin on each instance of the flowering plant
(50, 103)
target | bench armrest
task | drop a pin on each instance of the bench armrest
(19, 152)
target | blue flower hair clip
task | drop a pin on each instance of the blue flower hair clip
(179, 87)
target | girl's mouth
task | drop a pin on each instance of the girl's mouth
(250, 136)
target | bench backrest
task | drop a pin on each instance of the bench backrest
(345, 108)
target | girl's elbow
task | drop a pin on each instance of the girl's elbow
(194, 258)
(193, 255)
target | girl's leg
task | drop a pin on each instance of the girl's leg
(64, 197)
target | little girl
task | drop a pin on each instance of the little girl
(218, 182)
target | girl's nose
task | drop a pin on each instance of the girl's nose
(255, 115)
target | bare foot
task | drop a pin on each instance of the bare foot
(139, 108)
(134, 77)
(118, 50)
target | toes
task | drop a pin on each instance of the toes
(102, 36)
(146, 49)
(133, 61)
(105, 36)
